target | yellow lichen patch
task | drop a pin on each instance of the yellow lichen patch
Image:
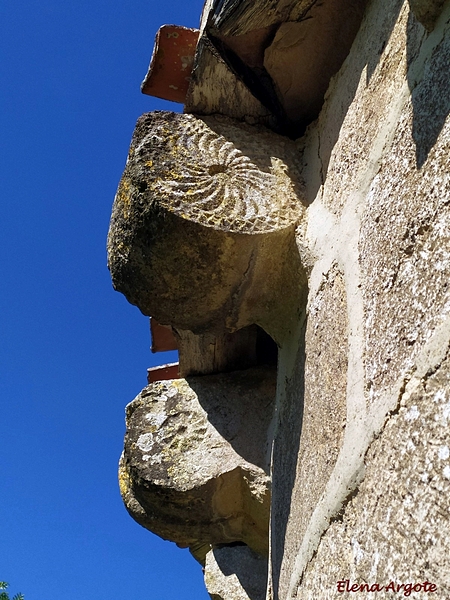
(181, 386)
(122, 248)
(124, 480)
(123, 197)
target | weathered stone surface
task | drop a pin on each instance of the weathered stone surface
(234, 18)
(305, 54)
(195, 462)
(405, 232)
(360, 455)
(349, 129)
(282, 53)
(235, 573)
(427, 11)
(315, 411)
(377, 164)
(208, 353)
(215, 89)
(396, 527)
(202, 224)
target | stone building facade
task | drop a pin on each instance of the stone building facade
(250, 227)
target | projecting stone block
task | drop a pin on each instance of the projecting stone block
(195, 463)
(201, 234)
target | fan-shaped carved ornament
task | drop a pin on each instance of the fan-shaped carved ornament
(217, 172)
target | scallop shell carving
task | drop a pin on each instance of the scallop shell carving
(221, 173)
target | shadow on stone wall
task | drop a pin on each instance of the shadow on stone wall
(240, 407)
(285, 455)
(367, 58)
(431, 97)
(235, 572)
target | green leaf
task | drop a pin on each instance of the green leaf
(4, 596)
(3, 585)
(19, 597)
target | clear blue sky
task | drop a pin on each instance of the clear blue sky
(73, 352)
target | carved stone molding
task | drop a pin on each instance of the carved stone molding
(202, 238)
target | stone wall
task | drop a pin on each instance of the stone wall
(370, 498)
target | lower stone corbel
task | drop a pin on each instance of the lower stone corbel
(195, 464)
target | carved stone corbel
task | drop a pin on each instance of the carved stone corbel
(195, 466)
(202, 229)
